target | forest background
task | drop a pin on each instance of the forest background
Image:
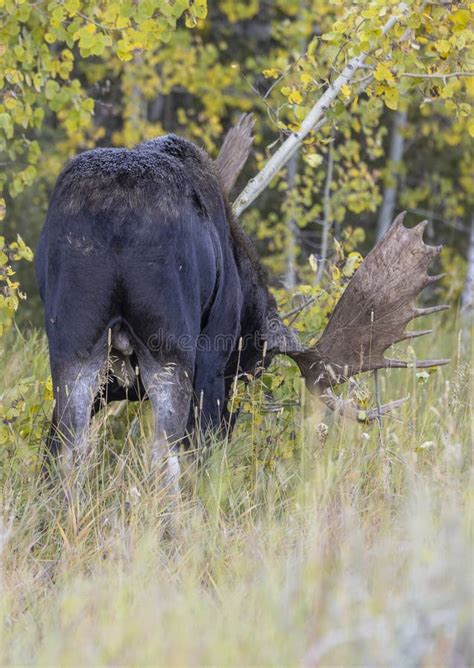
(348, 546)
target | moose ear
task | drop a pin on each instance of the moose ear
(234, 152)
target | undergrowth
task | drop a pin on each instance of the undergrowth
(315, 543)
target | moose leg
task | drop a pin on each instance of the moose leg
(75, 385)
(169, 387)
(209, 405)
(210, 400)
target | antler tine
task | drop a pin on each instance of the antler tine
(418, 232)
(420, 228)
(426, 364)
(350, 410)
(246, 122)
(398, 222)
(433, 279)
(434, 250)
(417, 312)
(417, 364)
(414, 335)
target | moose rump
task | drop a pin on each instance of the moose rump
(134, 260)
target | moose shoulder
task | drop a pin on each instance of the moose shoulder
(152, 289)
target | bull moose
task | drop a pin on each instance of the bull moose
(141, 261)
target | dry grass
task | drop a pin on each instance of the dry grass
(355, 551)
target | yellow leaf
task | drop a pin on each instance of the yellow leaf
(271, 73)
(346, 90)
(311, 47)
(443, 47)
(353, 262)
(313, 159)
(383, 73)
(335, 273)
(460, 18)
(12, 302)
(370, 13)
(295, 97)
(391, 98)
(3, 208)
(124, 55)
(339, 249)
(306, 79)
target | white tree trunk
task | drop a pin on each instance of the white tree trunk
(292, 228)
(327, 220)
(467, 295)
(397, 141)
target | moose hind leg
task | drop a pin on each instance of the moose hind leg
(75, 385)
(168, 386)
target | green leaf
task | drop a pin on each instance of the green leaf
(391, 98)
(51, 89)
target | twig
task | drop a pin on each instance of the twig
(298, 309)
(271, 113)
(448, 75)
(284, 75)
(92, 21)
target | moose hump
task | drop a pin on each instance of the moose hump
(162, 172)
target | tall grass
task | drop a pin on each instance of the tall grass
(355, 549)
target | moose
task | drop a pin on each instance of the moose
(152, 289)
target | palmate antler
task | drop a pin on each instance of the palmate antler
(234, 152)
(371, 316)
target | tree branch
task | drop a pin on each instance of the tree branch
(315, 116)
(448, 75)
(297, 310)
